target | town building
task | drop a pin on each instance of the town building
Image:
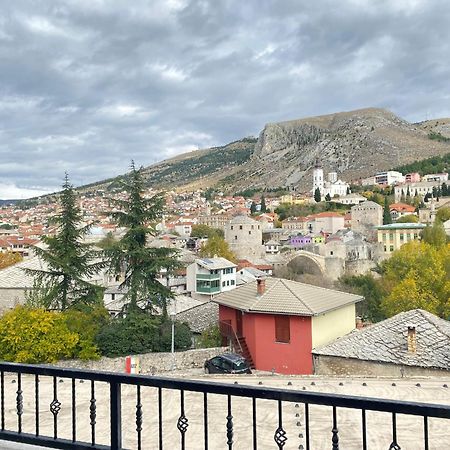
(394, 235)
(325, 222)
(349, 199)
(389, 178)
(398, 210)
(412, 177)
(412, 343)
(295, 224)
(244, 236)
(365, 217)
(439, 177)
(207, 277)
(332, 187)
(272, 247)
(420, 189)
(280, 321)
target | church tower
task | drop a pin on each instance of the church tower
(318, 177)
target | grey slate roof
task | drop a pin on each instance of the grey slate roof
(200, 317)
(286, 297)
(14, 277)
(386, 341)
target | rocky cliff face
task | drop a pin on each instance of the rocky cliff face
(355, 144)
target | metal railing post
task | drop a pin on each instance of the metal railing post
(115, 415)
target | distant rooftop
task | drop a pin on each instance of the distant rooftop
(401, 226)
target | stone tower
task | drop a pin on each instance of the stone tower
(318, 181)
(244, 236)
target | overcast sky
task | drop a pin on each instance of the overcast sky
(86, 85)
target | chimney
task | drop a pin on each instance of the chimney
(260, 286)
(412, 341)
(359, 323)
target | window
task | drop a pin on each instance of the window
(240, 227)
(391, 236)
(249, 232)
(232, 282)
(235, 238)
(401, 236)
(231, 226)
(282, 329)
(223, 283)
(391, 248)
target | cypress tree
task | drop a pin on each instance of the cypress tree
(253, 208)
(317, 195)
(387, 219)
(263, 204)
(70, 262)
(130, 256)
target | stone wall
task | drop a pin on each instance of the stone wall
(149, 362)
(333, 365)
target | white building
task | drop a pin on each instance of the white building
(421, 189)
(333, 187)
(440, 177)
(389, 178)
(210, 276)
(272, 247)
(350, 199)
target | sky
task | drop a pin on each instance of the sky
(88, 85)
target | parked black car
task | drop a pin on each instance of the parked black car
(227, 363)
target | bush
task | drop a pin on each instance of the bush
(33, 335)
(210, 337)
(140, 332)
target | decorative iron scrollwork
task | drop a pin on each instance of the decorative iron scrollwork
(280, 437)
(182, 424)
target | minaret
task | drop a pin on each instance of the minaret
(318, 177)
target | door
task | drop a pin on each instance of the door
(239, 323)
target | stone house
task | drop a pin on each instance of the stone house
(412, 343)
(365, 217)
(244, 236)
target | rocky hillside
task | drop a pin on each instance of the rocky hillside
(355, 144)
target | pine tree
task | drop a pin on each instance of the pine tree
(70, 262)
(387, 219)
(253, 208)
(317, 195)
(263, 204)
(445, 190)
(130, 256)
(328, 197)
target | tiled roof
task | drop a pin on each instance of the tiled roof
(286, 297)
(386, 341)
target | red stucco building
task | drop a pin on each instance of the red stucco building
(277, 322)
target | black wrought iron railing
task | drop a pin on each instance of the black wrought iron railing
(77, 409)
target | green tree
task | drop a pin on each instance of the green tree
(387, 219)
(409, 218)
(205, 231)
(373, 292)
(317, 195)
(9, 259)
(263, 204)
(253, 208)
(435, 235)
(443, 214)
(328, 198)
(130, 256)
(107, 242)
(70, 262)
(217, 246)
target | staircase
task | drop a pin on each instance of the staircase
(237, 343)
(245, 352)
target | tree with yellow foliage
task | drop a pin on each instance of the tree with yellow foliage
(217, 246)
(9, 259)
(417, 276)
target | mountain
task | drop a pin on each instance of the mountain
(355, 144)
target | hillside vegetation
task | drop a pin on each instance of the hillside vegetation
(435, 164)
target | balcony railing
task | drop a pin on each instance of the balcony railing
(77, 409)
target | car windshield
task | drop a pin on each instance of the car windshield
(239, 365)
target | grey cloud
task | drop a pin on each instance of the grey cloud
(87, 85)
